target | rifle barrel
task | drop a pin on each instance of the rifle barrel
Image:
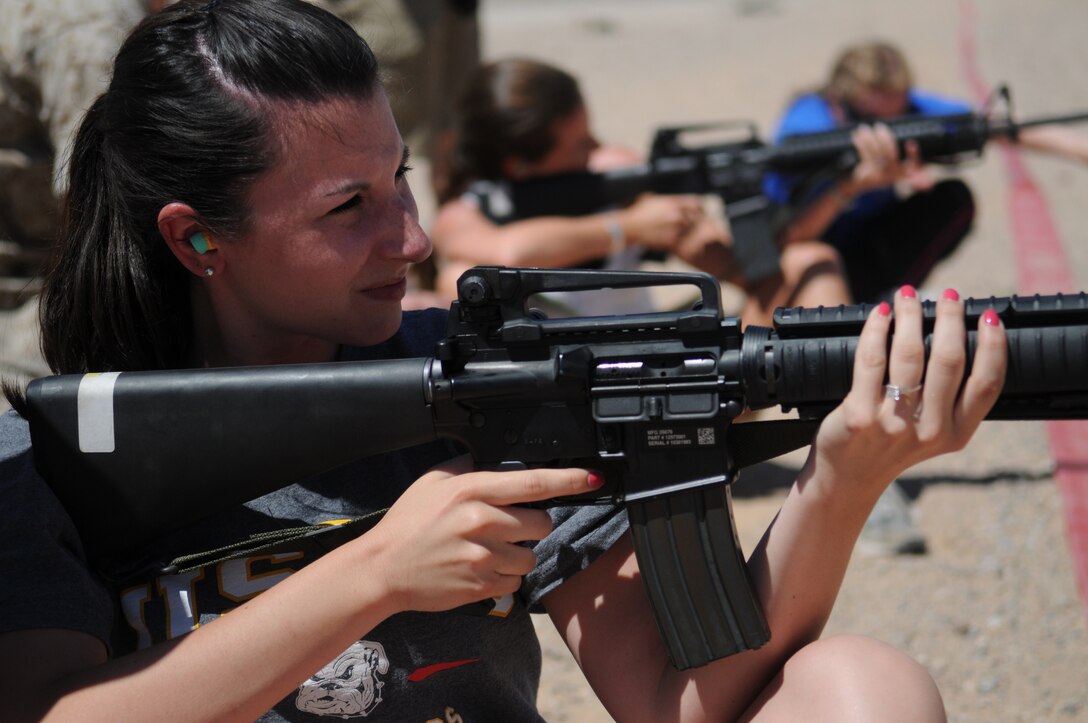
(1008, 127)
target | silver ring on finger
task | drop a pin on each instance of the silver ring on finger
(897, 393)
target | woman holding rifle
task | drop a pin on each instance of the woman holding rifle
(239, 197)
(521, 119)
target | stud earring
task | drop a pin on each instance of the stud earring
(209, 271)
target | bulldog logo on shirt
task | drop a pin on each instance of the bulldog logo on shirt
(349, 686)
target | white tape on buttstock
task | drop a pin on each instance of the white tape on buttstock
(94, 411)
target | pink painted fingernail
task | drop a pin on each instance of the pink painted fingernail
(907, 291)
(951, 295)
(595, 480)
(990, 317)
(884, 308)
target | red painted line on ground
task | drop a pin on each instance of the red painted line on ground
(1042, 268)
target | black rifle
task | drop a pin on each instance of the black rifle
(735, 171)
(648, 400)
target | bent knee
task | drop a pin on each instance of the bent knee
(852, 678)
(803, 255)
(871, 675)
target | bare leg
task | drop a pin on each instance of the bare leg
(812, 275)
(849, 678)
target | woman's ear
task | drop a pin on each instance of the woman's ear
(187, 240)
(515, 168)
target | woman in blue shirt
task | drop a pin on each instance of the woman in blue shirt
(891, 219)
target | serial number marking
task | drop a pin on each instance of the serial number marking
(670, 437)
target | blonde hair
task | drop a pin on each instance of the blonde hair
(870, 66)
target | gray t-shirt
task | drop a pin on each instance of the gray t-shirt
(480, 662)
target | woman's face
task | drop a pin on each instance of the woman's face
(334, 228)
(876, 104)
(574, 142)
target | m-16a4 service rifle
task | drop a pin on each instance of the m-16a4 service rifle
(647, 400)
(735, 170)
